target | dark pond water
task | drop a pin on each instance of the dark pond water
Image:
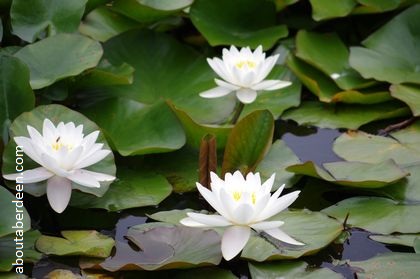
(307, 143)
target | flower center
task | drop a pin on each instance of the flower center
(57, 145)
(237, 196)
(249, 63)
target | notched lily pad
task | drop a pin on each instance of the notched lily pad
(396, 239)
(378, 215)
(389, 265)
(315, 229)
(165, 246)
(81, 243)
(353, 174)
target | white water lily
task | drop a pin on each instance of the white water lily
(243, 204)
(63, 152)
(243, 72)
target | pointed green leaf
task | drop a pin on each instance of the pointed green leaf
(248, 142)
(326, 9)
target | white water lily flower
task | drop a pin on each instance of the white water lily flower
(243, 204)
(244, 72)
(63, 152)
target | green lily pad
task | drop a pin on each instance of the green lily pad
(196, 131)
(402, 146)
(387, 266)
(277, 101)
(396, 239)
(180, 79)
(8, 249)
(166, 246)
(417, 245)
(378, 215)
(376, 6)
(56, 113)
(36, 18)
(409, 94)
(172, 216)
(278, 158)
(248, 142)
(58, 57)
(353, 174)
(342, 115)
(9, 216)
(148, 11)
(330, 55)
(326, 9)
(315, 229)
(388, 55)
(102, 24)
(406, 190)
(132, 189)
(327, 90)
(81, 243)
(290, 270)
(16, 95)
(223, 22)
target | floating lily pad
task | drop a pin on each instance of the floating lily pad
(377, 6)
(409, 94)
(396, 239)
(171, 216)
(290, 270)
(378, 215)
(223, 22)
(36, 18)
(132, 189)
(81, 243)
(139, 107)
(353, 174)
(196, 131)
(343, 116)
(56, 113)
(388, 266)
(330, 55)
(315, 229)
(248, 142)
(278, 158)
(102, 24)
(10, 216)
(327, 90)
(8, 248)
(16, 95)
(388, 55)
(326, 9)
(166, 246)
(58, 57)
(406, 190)
(402, 146)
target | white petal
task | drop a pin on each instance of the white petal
(28, 148)
(210, 220)
(90, 139)
(31, 176)
(89, 178)
(220, 68)
(189, 222)
(52, 165)
(225, 84)
(246, 95)
(234, 240)
(268, 184)
(213, 200)
(274, 206)
(93, 159)
(266, 225)
(271, 84)
(266, 68)
(48, 130)
(282, 236)
(58, 193)
(35, 135)
(243, 213)
(71, 156)
(215, 92)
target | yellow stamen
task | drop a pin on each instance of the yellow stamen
(57, 145)
(237, 196)
(253, 198)
(249, 63)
